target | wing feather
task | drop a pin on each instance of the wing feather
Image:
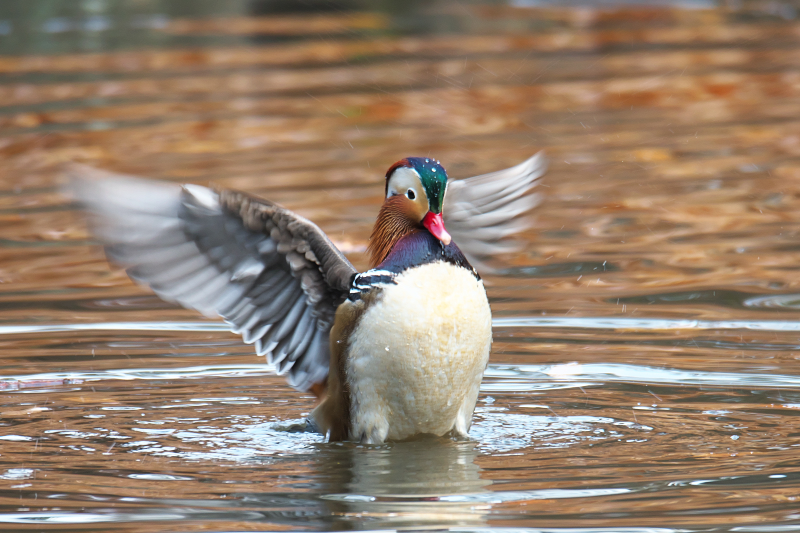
(272, 275)
(307, 370)
(482, 213)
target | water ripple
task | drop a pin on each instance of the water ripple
(612, 372)
(499, 377)
(491, 497)
(608, 323)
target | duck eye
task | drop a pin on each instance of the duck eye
(410, 194)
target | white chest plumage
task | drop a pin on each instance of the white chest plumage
(416, 358)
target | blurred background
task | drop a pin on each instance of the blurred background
(645, 367)
(670, 127)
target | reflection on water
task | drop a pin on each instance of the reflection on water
(410, 484)
(646, 364)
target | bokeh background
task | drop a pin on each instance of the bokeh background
(645, 366)
(671, 126)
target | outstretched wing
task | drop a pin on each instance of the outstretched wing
(271, 274)
(482, 212)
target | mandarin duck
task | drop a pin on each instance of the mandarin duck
(392, 352)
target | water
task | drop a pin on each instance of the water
(645, 370)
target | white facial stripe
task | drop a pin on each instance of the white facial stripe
(405, 178)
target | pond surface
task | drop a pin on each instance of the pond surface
(645, 374)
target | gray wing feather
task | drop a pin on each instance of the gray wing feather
(274, 276)
(483, 212)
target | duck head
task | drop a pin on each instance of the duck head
(415, 189)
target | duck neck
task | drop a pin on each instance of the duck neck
(393, 224)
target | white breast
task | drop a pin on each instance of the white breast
(416, 359)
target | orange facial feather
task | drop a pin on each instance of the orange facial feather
(397, 218)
